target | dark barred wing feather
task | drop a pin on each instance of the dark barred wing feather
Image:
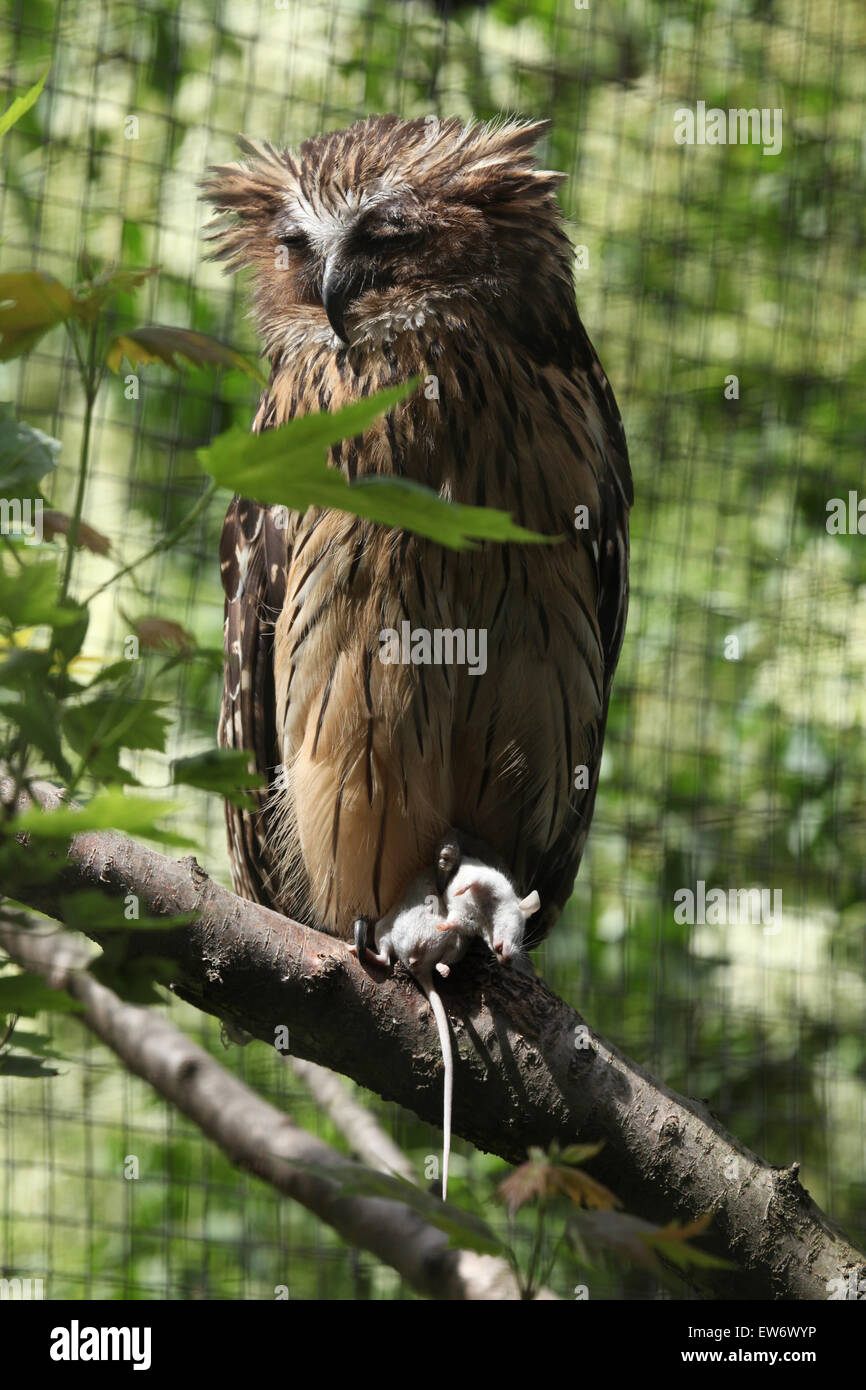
(561, 861)
(253, 560)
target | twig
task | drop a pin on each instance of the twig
(357, 1124)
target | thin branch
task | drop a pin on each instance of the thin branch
(253, 1134)
(356, 1123)
(164, 543)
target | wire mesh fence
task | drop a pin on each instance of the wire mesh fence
(719, 279)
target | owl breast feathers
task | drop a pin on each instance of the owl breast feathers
(385, 251)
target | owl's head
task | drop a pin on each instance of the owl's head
(372, 232)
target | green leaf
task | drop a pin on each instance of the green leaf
(91, 911)
(134, 980)
(286, 467)
(116, 671)
(108, 810)
(21, 104)
(67, 638)
(91, 297)
(20, 1064)
(24, 668)
(28, 668)
(160, 343)
(116, 721)
(27, 994)
(575, 1153)
(26, 455)
(30, 303)
(39, 1044)
(24, 866)
(462, 1228)
(37, 720)
(687, 1255)
(222, 770)
(634, 1239)
(307, 440)
(28, 597)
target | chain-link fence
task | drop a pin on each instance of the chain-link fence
(717, 269)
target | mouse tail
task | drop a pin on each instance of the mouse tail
(448, 1061)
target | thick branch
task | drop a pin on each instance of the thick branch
(529, 1071)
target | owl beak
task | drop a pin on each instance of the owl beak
(338, 291)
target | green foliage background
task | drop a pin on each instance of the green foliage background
(702, 262)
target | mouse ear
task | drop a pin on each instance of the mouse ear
(530, 904)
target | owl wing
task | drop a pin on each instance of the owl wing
(254, 553)
(561, 860)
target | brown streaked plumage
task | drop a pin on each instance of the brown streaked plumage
(391, 249)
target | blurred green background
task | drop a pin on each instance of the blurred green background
(700, 263)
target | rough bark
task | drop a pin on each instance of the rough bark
(529, 1070)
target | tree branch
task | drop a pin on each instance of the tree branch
(529, 1071)
(354, 1121)
(253, 1134)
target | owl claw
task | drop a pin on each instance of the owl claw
(361, 927)
(448, 861)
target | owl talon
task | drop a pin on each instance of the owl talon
(362, 926)
(448, 861)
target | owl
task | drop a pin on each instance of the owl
(433, 249)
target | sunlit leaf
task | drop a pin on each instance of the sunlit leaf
(28, 598)
(556, 1173)
(90, 299)
(631, 1238)
(160, 343)
(31, 302)
(91, 911)
(287, 467)
(108, 810)
(222, 770)
(16, 109)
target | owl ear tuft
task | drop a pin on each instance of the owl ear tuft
(246, 198)
(497, 165)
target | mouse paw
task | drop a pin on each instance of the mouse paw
(444, 970)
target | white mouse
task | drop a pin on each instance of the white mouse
(430, 930)
(491, 905)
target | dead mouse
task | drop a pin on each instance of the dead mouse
(430, 930)
(492, 907)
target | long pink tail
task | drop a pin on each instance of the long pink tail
(448, 1059)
